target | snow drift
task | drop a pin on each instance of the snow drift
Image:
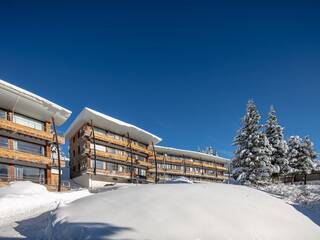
(21, 200)
(182, 211)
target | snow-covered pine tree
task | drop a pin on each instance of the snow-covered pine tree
(307, 162)
(301, 156)
(293, 154)
(274, 133)
(252, 162)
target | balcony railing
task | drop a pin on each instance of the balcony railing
(188, 162)
(23, 156)
(188, 174)
(109, 173)
(15, 127)
(119, 157)
(120, 142)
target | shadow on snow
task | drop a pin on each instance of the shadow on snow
(40, 227)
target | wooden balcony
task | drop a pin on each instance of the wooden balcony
(28, 157)
(110, 173)
(123, 143)
(18, 128)
(121, 158)
(188, 162)
(188, 174)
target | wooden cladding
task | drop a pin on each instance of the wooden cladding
(123, 143)
(14, 127)
(109, 173)
(122, 158)
(188, 174)
(188, 162)
(11, 154)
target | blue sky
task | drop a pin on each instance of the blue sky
(183, 70)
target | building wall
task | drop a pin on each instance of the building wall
(113, 155)
(173, 166)
(24, 162)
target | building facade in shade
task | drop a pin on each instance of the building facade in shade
(104, 149)
(196, 166)
(26, 135)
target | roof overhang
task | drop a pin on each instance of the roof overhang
(24, 102)
(103, 121)
(191, 154)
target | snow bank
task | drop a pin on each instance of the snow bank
(21, 200)
(182, 211)
(305, 195)
(179, 180)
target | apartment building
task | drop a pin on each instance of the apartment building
(104, 149)
(196, 166)
(26, 135)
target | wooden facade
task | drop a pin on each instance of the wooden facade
(119, 156)
(194, 168)
(25, 152)
(114, 151)
(104, 149)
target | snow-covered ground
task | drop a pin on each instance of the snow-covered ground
(23, 200)
(163, 211)
(182, 211)
(305, 195)
(305, 198)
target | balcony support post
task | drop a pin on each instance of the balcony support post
(58, 151)
(94, 149)
(156, 164)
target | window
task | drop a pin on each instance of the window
(4, 170)
(142, 172)
(98, 147)
(28, 147)
(99, 164)
(74, 139)
(28, 122)
(112, 166)
(99, 130)
(3, 114)
(30, 173)
(3, 142)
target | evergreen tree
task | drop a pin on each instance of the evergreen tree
(294, 153)
(307, 161)
(274, 133)
(252, 162)
(301, 156)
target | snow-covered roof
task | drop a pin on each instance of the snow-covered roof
(103, 121)
(31, 105)
(191, 154)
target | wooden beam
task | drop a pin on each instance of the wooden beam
(58, 150)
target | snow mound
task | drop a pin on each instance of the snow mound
(21, 200)
(182, 211)
(179, 180)
(22, 189)
(306, 195)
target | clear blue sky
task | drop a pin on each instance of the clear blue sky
(181, 70)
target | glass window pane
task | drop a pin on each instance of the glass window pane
(3, 142)
(99, 130)
(28, 122)
(4, 170)
(28, 147)
(99, 164)
(3, 114)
